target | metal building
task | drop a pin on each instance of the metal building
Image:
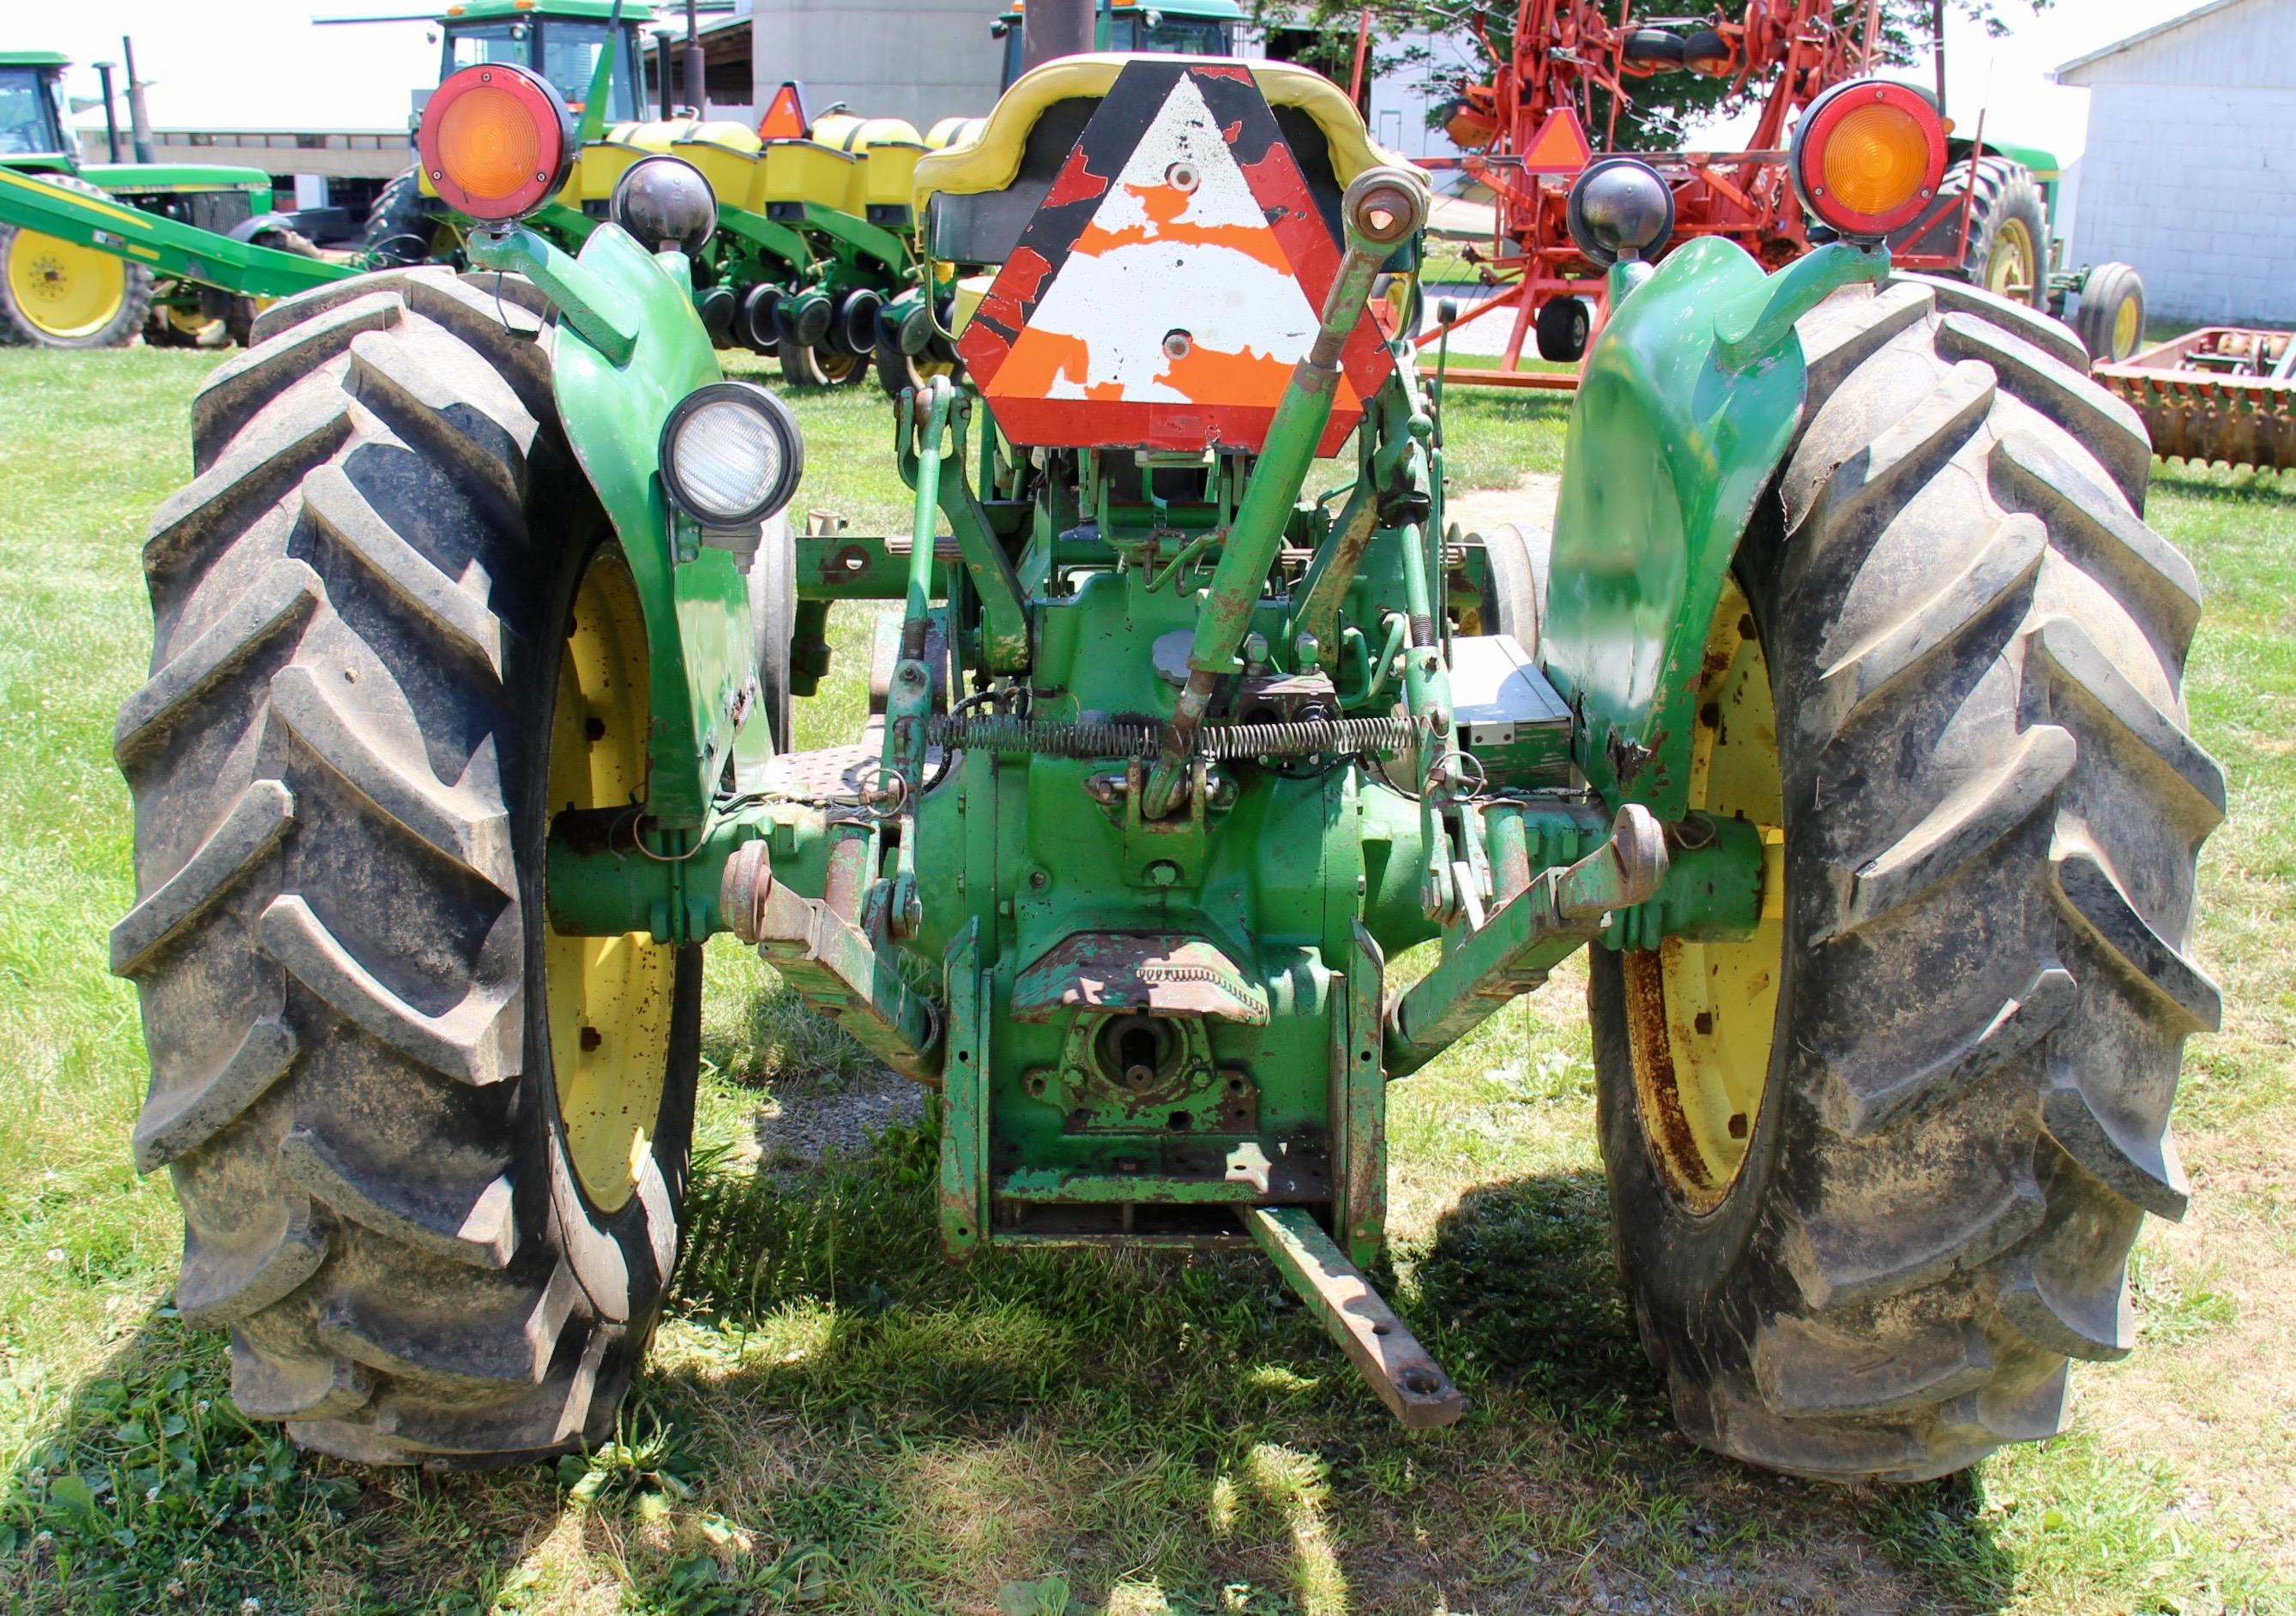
(2190, 173)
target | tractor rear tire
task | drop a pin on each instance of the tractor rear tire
(400, 229)
(362, 604)
(2111, 319)
(2008, 227)
(1991, 812)
(1515, 583)
(57, 294)
(773, 620)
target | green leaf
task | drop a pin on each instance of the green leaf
(72, 1493)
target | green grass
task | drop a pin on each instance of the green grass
(832, 1419)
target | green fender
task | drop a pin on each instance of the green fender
(1685, 406)
(630, 347)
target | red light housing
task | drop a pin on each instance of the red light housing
(1868, 156)
(496, 141)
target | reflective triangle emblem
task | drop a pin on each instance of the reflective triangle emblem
(1560, 146)
(1169, 280)
(784, 118)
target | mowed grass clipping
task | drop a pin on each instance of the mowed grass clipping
(834, 1420)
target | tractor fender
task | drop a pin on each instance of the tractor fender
(1687, 402)
(628, 346)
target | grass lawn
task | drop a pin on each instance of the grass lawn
(832, 1419)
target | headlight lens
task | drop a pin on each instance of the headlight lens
(731, 454)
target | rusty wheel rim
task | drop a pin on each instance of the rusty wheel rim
(1702, 1017)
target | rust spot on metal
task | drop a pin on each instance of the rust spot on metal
(1673, 1150)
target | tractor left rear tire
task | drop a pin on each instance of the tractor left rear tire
(1960, 650)
(393, 634)
(57, 294)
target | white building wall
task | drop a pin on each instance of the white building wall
(2190, 172)
(921, 60)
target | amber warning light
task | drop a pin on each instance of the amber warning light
(1868, 157)
(496, 141)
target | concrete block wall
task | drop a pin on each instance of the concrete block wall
(2197, 188)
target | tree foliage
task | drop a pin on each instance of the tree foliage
(1659, 111)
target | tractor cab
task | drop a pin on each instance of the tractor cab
(1180, 28)
(560, 39)
(32, 111)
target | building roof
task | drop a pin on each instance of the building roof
(2141, 37)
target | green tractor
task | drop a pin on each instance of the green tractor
(812, 260)
(71, 290)
(1221, 781)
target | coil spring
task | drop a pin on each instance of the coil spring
(1218, 742)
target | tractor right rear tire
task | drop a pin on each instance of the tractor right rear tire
(59, 294)
(386, 610)
(1949, 1114)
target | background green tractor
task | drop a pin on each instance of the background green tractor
(1219, 780)
(812, 260)
(1996, 214)
(60, 291)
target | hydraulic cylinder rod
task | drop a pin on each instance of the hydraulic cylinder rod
(1384, 207)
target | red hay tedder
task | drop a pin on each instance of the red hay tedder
(1526, 132)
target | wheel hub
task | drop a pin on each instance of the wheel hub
(1701, 1016)
(63, 290)
(609, 997)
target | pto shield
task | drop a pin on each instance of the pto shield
(1162, 292)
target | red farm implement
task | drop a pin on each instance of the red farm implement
(1527, 132)
(2222, 394)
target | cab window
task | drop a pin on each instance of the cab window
(570, 58)
(28, 123)
(1159, 34)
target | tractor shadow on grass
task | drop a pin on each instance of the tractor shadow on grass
(1519, 1295)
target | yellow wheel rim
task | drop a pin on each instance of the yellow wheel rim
(2009, 270)
(609, 997)
(195, 328)
(1703, 1016)
(63, 290)
(2124, 329)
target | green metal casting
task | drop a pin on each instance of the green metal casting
(1144, 961)
(630, 347)
(1685, 406)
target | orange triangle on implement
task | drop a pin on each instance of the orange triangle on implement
(1560, 146)
(784, 118)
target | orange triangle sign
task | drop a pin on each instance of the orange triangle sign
(1164, 288)
(784, 118)
(1560, 146)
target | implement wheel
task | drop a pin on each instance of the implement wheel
(820, 366)
(430, 1154)
(1876, 1170)
(2111, 319)
(908, 359)
(57, 294)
